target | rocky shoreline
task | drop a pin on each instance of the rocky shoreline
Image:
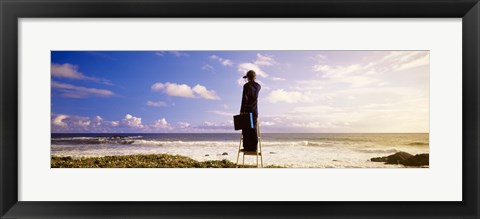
(404, 158)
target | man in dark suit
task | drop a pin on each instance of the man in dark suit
(249, 105)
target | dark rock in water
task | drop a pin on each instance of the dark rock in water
(405, 159)
(206, 155)
(396, 158)
(334, 160)
(224, 153)
(417, 160)
(379, 159)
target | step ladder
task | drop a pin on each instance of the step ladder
(257, 153)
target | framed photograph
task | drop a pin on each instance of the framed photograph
(239, 109)
(314, 117)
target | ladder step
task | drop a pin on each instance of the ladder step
(252, 153)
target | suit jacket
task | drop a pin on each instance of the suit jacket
(250, 97)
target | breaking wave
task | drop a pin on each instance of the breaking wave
(376, 151)
(134, 140)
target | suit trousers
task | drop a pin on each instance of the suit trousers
(250, 137)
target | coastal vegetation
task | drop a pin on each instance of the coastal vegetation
(141, 161)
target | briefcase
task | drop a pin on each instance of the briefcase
(243, 121)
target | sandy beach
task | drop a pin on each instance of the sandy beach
(399, 159)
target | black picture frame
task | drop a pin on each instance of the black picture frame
(12, 10)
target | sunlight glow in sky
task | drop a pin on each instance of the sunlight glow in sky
(200, 91)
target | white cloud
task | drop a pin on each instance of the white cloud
(183, 125)
(361, 75)
(183, 90)
(129, 123)
(98, 120)
(74, 123)
(281, 95)
(266, 123)
(70, 71)
(402, 56)
(173, 89)
(311, 85)
(228, 125)
(223, 61)
(318, 58)
(360, 81)
(73, 91)
(66, 70)
(424, 60)
(204, 93)
(278, 79)
(161, 124)
(83, 123)
(318, 109)
(354, 75)
(159, 53)
(227, 62)
(132, 121)
(208, 123)
(225, 106)
(156, 103)
(261, 60)
(208, 67)
(337, 71)
(222, 113)
(264, 60)
(58, 120)
(245, 67)
(402, 60)
(314, 125)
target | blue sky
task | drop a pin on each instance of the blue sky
(200, 91)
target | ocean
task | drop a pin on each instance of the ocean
(298, 150)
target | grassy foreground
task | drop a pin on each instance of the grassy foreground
(140, 161)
